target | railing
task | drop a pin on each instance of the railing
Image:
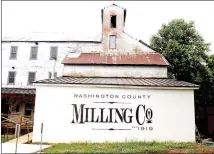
(13, 118)
(9, 122)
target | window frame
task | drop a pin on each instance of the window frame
(51, 51)
(110, 41)
(31, 51)
(29, 78)
(8, 78)
(11, 58)
(31, 110)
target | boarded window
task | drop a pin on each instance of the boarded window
(113, 21)
(112, 41)
(13, 52)
(50, 74)
(33, 53)
(28, 108)
(53, 54)
(31, 77)
(11, 77)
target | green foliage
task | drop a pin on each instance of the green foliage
(5, 138)
(187, 53)
(211, 64)
(126, 147)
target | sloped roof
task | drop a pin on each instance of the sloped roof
(129, 59)
(18, 91)
(149, 82)
(52, 37)
(114, 5)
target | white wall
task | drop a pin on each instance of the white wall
(173, 115)
(115, 71)
(42, 66)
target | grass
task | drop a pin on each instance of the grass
(10, 137)
(127, 147)
(43, 143)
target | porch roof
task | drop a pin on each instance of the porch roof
(18, 91)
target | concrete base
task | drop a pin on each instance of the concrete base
(23, 139)
(22, 148)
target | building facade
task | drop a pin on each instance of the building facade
(26, 61)
(39, 57)
(119, 92)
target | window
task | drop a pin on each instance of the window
(112, 41)
(28, 108)
(5, 105)
(50, 74)
(31, 77)
(33, 53)
(53, 54)
(113, 21)
(13, 52)
(11, 77)
(17, 108)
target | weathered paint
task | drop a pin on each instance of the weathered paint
(115, 71)
(124, 43)
(42, 66)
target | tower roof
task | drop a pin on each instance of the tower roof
(114, 5)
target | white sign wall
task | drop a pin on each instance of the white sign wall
(87, 114)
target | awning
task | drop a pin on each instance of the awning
(18, 91)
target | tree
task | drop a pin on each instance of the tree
(211, 64)
(187, 53)
(185, 49)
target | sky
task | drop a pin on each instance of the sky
(82, 19)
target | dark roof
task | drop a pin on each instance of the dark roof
(114, 5)
(130, 59)
(18, 91)
(151, 82)
(144, 43)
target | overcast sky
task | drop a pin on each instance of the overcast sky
(83, 19)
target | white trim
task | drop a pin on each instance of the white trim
(114, 86)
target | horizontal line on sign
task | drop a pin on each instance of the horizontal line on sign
(111, 129)
(113, 102)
